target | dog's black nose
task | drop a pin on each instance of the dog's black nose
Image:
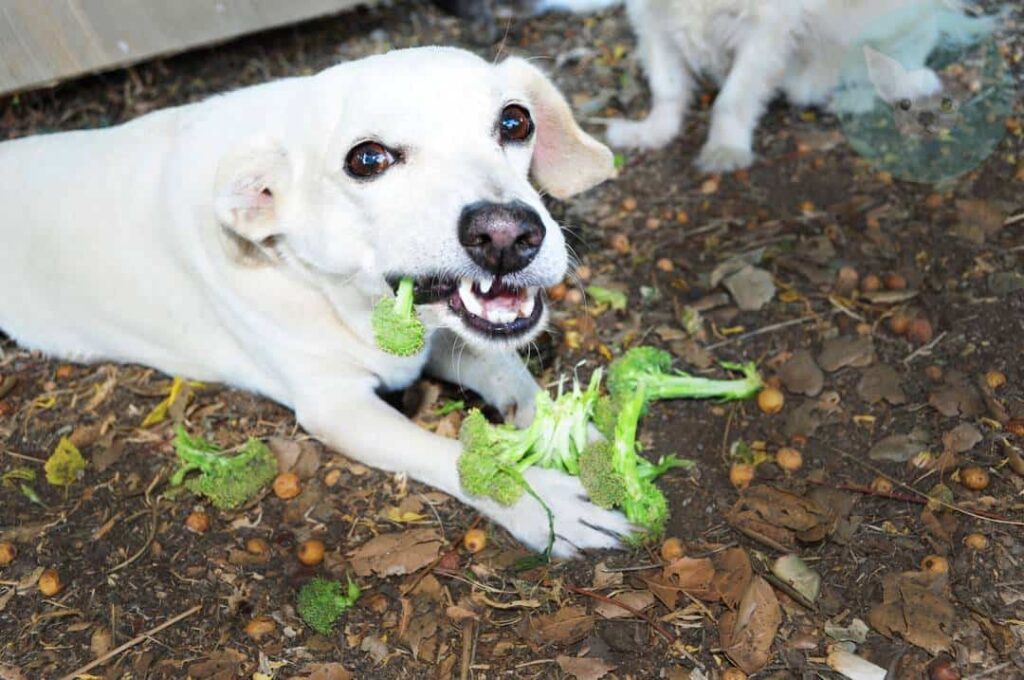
(501, 237)
(926, 118)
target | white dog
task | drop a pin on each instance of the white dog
(246, 238)
(757, 48)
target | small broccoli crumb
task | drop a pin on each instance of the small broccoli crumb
(395, 326)
(322, 601)
(227, 481)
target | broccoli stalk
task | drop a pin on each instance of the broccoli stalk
(395, 326)
(321, 602)
(650, 369)
(615, 476)
(227, 481)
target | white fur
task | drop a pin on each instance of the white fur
(756, 49)
(224, 242)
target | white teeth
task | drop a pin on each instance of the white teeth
(527, 308)
(469, 300)
(502, 316)
(485, 285)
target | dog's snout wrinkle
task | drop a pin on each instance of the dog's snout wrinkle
(502, 238)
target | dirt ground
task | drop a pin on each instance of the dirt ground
(943, 396)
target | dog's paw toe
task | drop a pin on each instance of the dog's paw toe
(637, 134)
(724, 158)
(579, 524)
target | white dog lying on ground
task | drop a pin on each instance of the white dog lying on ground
(758, 48)
(246, 238)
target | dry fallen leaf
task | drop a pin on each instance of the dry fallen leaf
(801, 375)
(915, 607)
(881, 383)
(732, 575)
(748, 633)
(692, 575)
(638, 600)
(900, 448)
(324, 671)
(396, 553)
(961, 438)
(846, 350)
(604, 578)
(779, 518)
(584, 668)
(563, 627)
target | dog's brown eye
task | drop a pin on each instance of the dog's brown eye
(905, 104)
(515, 124)
(368, 159)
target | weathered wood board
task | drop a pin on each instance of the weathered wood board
(45, 41)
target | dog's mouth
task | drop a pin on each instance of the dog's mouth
(495, 307)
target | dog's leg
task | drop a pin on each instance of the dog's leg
(501, 379)
(366, 429)
(755, 76)
(671, 86)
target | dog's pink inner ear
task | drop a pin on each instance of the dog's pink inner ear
(249, 185)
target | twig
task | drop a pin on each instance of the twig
(632, 610)
(924, 349)
(1010, 221)
(22, 456)
(468, 630)
(766, 329)
(868, 491)
(990, 671)
(976, 514)
(131, 643)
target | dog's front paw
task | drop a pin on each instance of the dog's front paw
(645, 134)
(579, 524)
(721, 158)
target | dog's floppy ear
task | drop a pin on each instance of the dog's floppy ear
(251, 181)
(566, 160)
(886, 74)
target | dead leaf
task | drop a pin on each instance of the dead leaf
(780, 517)
(900, 448)
(421, 630)
(375, 647)
(846, 350)
(584, 668)
(801, 375)
(747, 634)
(219, 665)
(881, 382)
(100, 641)
(692, 575)
(604, 578)
(396, 553)
(794, 571)
(563, 627)
(11, 673)
(957, 397)
(751, 287)
(324, 671)
(981, 214)
(638, 600)
(732, 575)
(915, 607)
(302, 458)
(961, 438)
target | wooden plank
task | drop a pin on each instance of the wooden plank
(45, 41)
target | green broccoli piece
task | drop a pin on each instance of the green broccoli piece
(227, 481)
(395, 326)
(321, 602)
(494, 457)
(650, 369)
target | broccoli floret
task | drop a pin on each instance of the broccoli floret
(650, 369)
(395, 326)
(227, 481)
(615, 476)
(321, 602)
(495, 456)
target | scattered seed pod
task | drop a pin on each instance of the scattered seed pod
(899, 323)
(976, 541)
(49, 583)
(7, 553)
(665, 264)
(771, 400)
(935, 564)
(287, 485)
(995, 379)
(311, 552)
(741, 475)
(733, 673)
(1016, 427)
(475, 540)
(257, 546)
(620, 243)
(920, 331)
(573, 297)
(789, 459)
(943, 668)
(332, 477)
(583, 271)
(934, 372)
(846, 280)
(672, 549)
(260, 627)
(870, 283)
(652, 223)
(629, 204)
(197, 522)
(895, 281)
(881, 485)
(557, 292)
(974, 478)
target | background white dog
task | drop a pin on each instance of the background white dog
(758, 48)
(246, 238)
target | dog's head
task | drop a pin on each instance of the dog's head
(921, 105)
(418, 163)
